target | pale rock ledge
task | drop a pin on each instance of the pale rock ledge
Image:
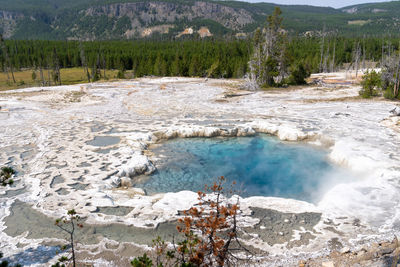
(138, 164)
(284, 132)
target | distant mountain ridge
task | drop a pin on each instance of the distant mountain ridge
(135, 19)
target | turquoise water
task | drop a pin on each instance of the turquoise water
(261, 166)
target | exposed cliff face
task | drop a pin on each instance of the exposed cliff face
(227, 16)
(144, 14)
(132, 20)
(8, 22)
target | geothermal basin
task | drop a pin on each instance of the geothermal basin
(129, 156)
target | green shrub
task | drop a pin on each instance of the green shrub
(298, 75)
(142, 261)
(388, 93)
(121, 74)
(370, 83)
(6, 174)
(34, 76)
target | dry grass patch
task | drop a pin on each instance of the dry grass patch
(24, 79)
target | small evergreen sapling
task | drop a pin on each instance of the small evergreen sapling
(68, 224)
(370, 83)
(6, 173)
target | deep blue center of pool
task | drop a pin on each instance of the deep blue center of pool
(261, 166)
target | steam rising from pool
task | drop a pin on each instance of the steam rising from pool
(261, 166)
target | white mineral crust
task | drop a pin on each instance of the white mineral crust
(44, 134)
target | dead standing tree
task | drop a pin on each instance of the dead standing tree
(9, 65)
(84, 61)
(332, 62)
(255, 62)
(322, 50)
(326, 59)
(357, 57)
(391, 75)
(103, 63)
(364, 52)
(56, 68)
(41, 64)
(48, 66)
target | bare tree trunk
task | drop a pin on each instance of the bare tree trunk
(104, 64)
(357, 55)
(12, 72)
(382, 57)
(41, 74)
(282, 66)
(8, 74)
(98, 67)
(363, 53)
(84, 62)
(333, 57)
(8, 59)
(56, 68)
(383, 54)
(322, 50)
(104, 69)
(11, 63)
(326, 58)
(49, 74)
(397, 81)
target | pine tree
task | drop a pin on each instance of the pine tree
(157, 66)
(175, 66)
(268, 60)
(194, 66)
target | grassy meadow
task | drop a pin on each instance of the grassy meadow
(68, 76)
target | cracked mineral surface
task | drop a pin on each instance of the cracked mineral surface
(80, 147)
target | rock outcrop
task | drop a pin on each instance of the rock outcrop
(8, 22)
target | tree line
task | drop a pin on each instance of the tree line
(184, 58)
(190, 58)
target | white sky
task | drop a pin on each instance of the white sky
(331, 3)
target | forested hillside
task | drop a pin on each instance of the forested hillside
(171, 19)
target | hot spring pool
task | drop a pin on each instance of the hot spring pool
(260, 165)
